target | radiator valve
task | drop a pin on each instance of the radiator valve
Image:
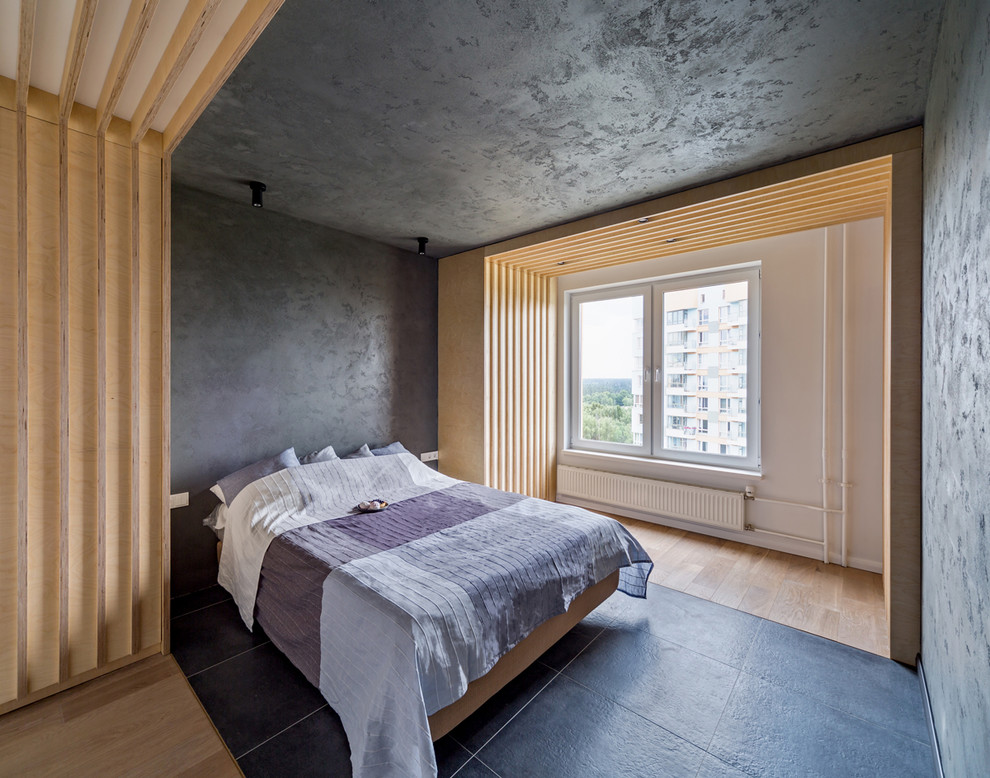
(749, 493)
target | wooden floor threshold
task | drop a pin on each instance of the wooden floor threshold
(143, 719)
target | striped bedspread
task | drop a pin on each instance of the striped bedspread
(392, 614)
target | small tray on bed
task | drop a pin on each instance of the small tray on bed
(371, 506)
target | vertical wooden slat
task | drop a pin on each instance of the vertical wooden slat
(135, 370)
(24, 52)
(22, 404)
(83, 403)
(63, 399)
(166, 393)
(541, 337)
(551, 392)
(489, 373)
(523, 381)
(43, 488)
(120, 519)
(503, 406)
(150, 407)
(9, 405)
(101, 399)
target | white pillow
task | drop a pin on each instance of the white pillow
(323, 455)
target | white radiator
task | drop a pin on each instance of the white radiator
(691, 503)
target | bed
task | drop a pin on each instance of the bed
(407, 620)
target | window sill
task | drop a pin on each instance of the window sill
(646, 467)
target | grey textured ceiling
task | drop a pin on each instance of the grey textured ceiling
(470, 121)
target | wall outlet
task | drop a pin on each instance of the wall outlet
(429, 456)
(180, 500)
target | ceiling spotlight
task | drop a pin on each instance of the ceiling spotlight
(644, 220)
(671, 240)
(256, 189)
(422, 245)
(562, 262)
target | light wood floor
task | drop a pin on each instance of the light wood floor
(836, 602)
(141, 720)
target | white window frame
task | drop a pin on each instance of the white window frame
(655, 355)
(574, 390)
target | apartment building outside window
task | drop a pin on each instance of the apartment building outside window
(645, 398)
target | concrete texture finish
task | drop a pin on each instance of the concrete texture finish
(286, 333)
(472, 122)
(956, 414)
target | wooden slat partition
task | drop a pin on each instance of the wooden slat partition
(84, 327)
(520, 429)
(80, 400)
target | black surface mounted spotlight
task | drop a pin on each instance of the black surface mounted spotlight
(422, 245)
(256, 189)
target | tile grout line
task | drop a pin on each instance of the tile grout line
(510, 720)
(222, 661)
(286, 729)
(197, 610)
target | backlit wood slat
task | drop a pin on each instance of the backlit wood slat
(857, 190)
(136, 25)
(248, 25)
(195, 19)
(82, 26)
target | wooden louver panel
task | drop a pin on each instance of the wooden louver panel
(520, 428)
(844, 194)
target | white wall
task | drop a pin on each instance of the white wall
(791, 379)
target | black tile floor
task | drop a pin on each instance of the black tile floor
(667, 686)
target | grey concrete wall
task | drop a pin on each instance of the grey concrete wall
(956, 426)
(286, 333)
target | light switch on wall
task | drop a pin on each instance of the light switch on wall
(429, 456)
(180, 500)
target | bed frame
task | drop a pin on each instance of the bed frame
(527, 651)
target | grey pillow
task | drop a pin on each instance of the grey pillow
(323, 455)
(364, 451)
(391, 448)
(232, 484)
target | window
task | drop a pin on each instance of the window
(634, 378)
